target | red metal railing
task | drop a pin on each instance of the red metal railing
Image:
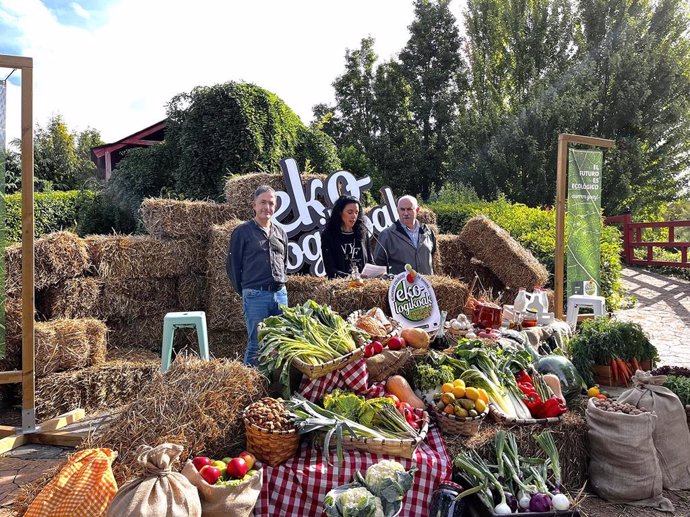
(632, 238)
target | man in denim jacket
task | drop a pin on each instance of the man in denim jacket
(257, 267)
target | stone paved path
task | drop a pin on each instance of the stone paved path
(663, 310)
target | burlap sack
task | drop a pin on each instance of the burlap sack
(160, 492)
(623, 466)
(671, 435)
(387, 363)
(223, 501)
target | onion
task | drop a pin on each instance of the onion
(524, 500)
(502, 509)
(540, 503)
(560, 502)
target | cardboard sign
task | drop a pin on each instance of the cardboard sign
(413, 304)
(303, 211)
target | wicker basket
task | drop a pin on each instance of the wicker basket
(501, 418)
(454, 425)
(319, 370)
(395, 326)
(387, 363)
(271, 447)
(401, 448)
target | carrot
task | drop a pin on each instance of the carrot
(623, 370)
(636, 364)
(614, 371)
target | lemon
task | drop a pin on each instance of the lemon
(483, 395)
(459, 391)
(593, 391)
(459, 383)
(480, 406)
(472, 393)
(447, 387)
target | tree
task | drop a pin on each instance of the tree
(55, 157)
(85, 167)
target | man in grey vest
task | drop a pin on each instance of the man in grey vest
(407, 241)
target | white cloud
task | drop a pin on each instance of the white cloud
(80, 11)
(118, 77)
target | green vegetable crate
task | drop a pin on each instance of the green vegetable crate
(604, 377)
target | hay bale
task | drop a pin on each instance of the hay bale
(301, 288)
(426, 216)
(132, 298)
(57, 257)
(570, 436)
(224, 305)
(195, 403)
(174, 219)
(345, 300)
(451, 293)
(73, 298)
(96, 388)
(514, 265)
(487, 284)
(141, 256)
(239, 190)
(453, 255)
(227, 344)
(147, 333)
(191, 292)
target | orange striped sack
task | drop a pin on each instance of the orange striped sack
(83, 488)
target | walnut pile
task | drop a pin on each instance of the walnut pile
(618, 407)
(269, 414)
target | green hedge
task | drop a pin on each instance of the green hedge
(535, 229)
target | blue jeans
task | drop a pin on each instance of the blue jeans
(257, 306)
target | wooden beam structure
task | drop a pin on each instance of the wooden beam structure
(12, 437)
(564, 140)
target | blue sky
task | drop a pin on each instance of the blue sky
(114, 64)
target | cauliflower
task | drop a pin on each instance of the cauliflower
(385, 469)
(355, 498)
(379, 507)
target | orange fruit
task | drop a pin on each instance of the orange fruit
(459, 383)
(447, 387)
(459, 391)
(483, 395)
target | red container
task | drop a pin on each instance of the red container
(487, 315)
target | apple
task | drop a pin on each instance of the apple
(220, 465)
(394, 398)
(237, 468)
(201, 461)
(410, 278)
(376, 347)
(210, 474)
(368, 350)
(248, 458)
(396, 343)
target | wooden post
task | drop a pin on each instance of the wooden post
(561, 191)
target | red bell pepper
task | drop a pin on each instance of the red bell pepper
(552, 407)
(523, 376)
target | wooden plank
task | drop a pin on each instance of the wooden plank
(586, 140)
(8, 430)
(16, 62)
(10, 377)
(661, 244)
(561, 188)
(639, 262)
(61, 421)
(12, 442)
(61, 438)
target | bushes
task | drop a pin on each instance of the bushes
(535, 229)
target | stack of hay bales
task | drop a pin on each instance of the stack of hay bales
(513, 265)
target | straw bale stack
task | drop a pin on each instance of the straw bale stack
(146, 333)
(73, 298)
(487, 281)
(57, 257)
(174, 219)
(239, 190)
(513, 265)
(63, 344)
(224, 305)
(96, 388)
(227, 344)
(301, 288)
(141, 256)
(196, 403)
(345, 300)
(191, 292)
(131, 298)
(453, 255)
(451, 293)
(426, 216)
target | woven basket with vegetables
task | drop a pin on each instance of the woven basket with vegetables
(375, 323)
(460, 409)
(312, 337)
(271, 436)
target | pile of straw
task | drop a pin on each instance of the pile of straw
(96, 388)
(73, 298)
(239, 190)
(513, 265)
(570, 436)
(486, 280)
(170, 218)
(227, 344)
(346, 300)
(195, 403)
(451, 294)
(131, 298)
(426, 215)
(452, 253)
(141, 256)
(301, 288)
(191, 292)
(224, 305)
(57, 257)
(63, 344)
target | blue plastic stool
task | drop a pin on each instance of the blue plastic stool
(179, 320)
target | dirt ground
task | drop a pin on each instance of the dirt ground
(592, 506)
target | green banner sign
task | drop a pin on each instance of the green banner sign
(584, 221)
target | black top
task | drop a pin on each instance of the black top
(339, 250)
(257, 260)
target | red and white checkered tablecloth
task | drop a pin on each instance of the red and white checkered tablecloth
(353, 377)
(297, 487)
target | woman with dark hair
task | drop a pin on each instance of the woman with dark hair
(344, 239)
